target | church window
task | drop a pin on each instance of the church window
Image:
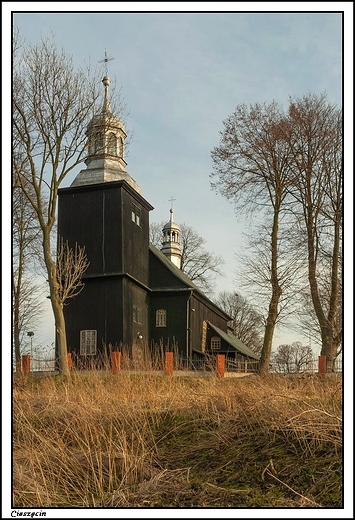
(88, 342)
(112, 144)
(98, 143)
(136, 215)
(160, 318)
(120, 147)
(215, 343)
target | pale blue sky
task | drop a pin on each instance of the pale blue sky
(181, 74)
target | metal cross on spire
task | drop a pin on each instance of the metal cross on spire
(172, 200)
(171, 209)
(105, 60)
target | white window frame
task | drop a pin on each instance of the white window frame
(215, 343)
(160, 318)
(88, 342)
(136, 215)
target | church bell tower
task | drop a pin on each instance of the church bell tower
(103, 210)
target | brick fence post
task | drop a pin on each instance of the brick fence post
(220, 365)
(322, 366)
(116, 361)
(26, 364)
(169, 360)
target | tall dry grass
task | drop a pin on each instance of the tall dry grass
(141, 440)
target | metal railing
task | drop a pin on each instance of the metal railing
(49, 364)
(310, 367)
(233, 365)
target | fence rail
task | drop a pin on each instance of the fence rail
(40, 365)
(310, 367)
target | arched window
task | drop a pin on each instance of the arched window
(120, 147)
(112, 144)
(215, 343)
(98, 143)
(160, 318)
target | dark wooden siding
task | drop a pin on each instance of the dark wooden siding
(135, 239)
(161, 276)
(201, 313)
(174, 334)
(92, 218)
(99, 217)
(135, 313)
(97, 307)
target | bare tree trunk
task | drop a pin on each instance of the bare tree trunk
(316, 144)
(329, 343)
(269, 332)
(61, 338)
(329, 348)
(275, 298)
(57, 306)
(17, 334)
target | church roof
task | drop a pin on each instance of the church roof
(234, 342)
(175, 270)
(183, 277)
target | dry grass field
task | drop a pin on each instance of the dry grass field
(130, 440)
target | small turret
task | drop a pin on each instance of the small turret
(171, 240)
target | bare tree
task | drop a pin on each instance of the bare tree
(52, 105)
(293, 358)
(27, 310)
(307, 322)
(314, 134)
(26, 242)
(251, 168)
(247, 323)
(199, 265)
(27, 304)
(71, 266)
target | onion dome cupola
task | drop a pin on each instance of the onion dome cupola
(105, 143)
(171, 241)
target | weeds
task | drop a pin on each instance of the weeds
(137, 440)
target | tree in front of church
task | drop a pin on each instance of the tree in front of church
(197, 263)
(251, 168)
(52, 105)
(71, 266)
(314, 134)
(284, 167)
(27, 306)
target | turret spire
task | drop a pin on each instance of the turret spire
(106, 109)
(171, 210)
(106, 81)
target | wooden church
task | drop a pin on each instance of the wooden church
(134, 293)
